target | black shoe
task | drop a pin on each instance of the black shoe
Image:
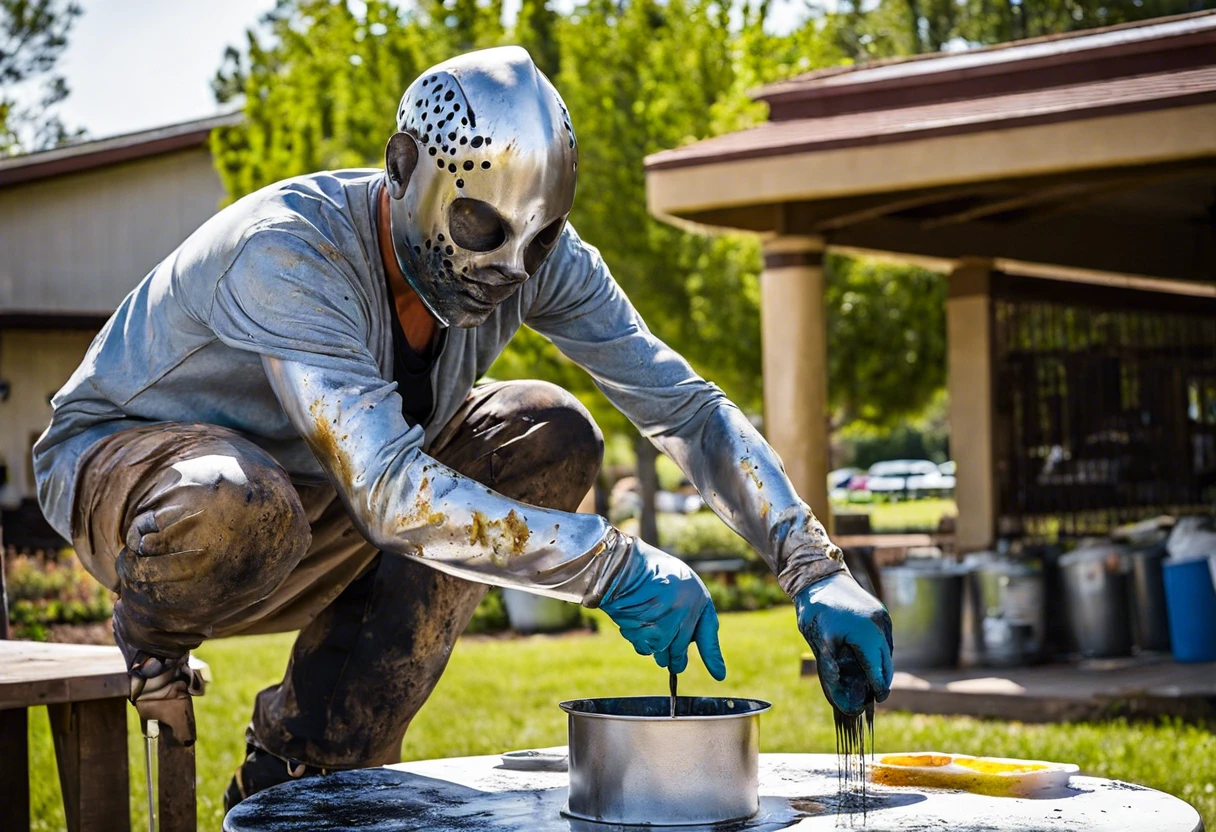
(261, 770)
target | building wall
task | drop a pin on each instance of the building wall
(35, 364)
(78, 243)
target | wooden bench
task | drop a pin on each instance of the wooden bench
(84, 689)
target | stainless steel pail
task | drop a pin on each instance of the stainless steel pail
(1004, 611)
(925, 601)
(1152, 628)
(631, 763)
(1097, 590)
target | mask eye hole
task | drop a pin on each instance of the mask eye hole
(539, 248)
(475, 225)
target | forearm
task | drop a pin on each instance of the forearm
(741, 478)
(406, 502)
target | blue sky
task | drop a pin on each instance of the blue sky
(136, 64)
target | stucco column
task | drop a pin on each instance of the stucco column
(969, 351)
(794, 332)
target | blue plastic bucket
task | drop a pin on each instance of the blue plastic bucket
(1190, 601)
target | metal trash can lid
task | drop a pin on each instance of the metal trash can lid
(1114, 554)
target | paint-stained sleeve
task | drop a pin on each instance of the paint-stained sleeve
(287, 302)
(584, 312)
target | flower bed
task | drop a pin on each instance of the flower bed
(49, 590)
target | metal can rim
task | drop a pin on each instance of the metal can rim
(755, 708)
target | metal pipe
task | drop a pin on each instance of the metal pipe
(151, 740)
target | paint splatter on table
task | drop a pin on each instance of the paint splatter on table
(798, 792)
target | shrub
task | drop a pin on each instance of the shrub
(490, 615)
(702, 535)
(748, 592)
(54, 589)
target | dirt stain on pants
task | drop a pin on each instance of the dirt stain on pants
(203, 535)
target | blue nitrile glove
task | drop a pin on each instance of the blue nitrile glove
(850, 632)
(661, 607)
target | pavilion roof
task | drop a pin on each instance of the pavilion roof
(1094, 150)
(1142, 66)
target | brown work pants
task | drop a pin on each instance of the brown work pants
(202, 534)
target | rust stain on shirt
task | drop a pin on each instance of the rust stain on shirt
(328, 444)
(423, 512)
(750, 471)
(505, 537)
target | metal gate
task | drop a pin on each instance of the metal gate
(1105, 407)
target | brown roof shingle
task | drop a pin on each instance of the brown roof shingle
(1063, 47)
(95, 153)
(1060, 103)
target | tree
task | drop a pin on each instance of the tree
(641, 77)
(320, 93)
(886, 340)
(902, 27)
(536, 31)
(33, 35)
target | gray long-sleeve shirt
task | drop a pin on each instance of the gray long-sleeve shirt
(273, 319)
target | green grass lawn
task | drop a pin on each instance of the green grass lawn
(909, 514)
(501, 694)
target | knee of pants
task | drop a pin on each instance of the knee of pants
(214, 535)
(571, 445)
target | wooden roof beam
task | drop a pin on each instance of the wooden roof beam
(884, 208)
(1055, 199)
(1180, 251)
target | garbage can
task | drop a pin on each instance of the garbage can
(530, 613)
(1190, 600)
(1096, 588)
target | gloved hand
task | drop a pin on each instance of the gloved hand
(661, 607)
(850, 632)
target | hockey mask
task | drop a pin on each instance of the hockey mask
(481, 175)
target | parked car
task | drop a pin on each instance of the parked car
(625, 500)
(934, 484)
(678, 502)
(859, 489)
(904, 478)
(839, 482)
